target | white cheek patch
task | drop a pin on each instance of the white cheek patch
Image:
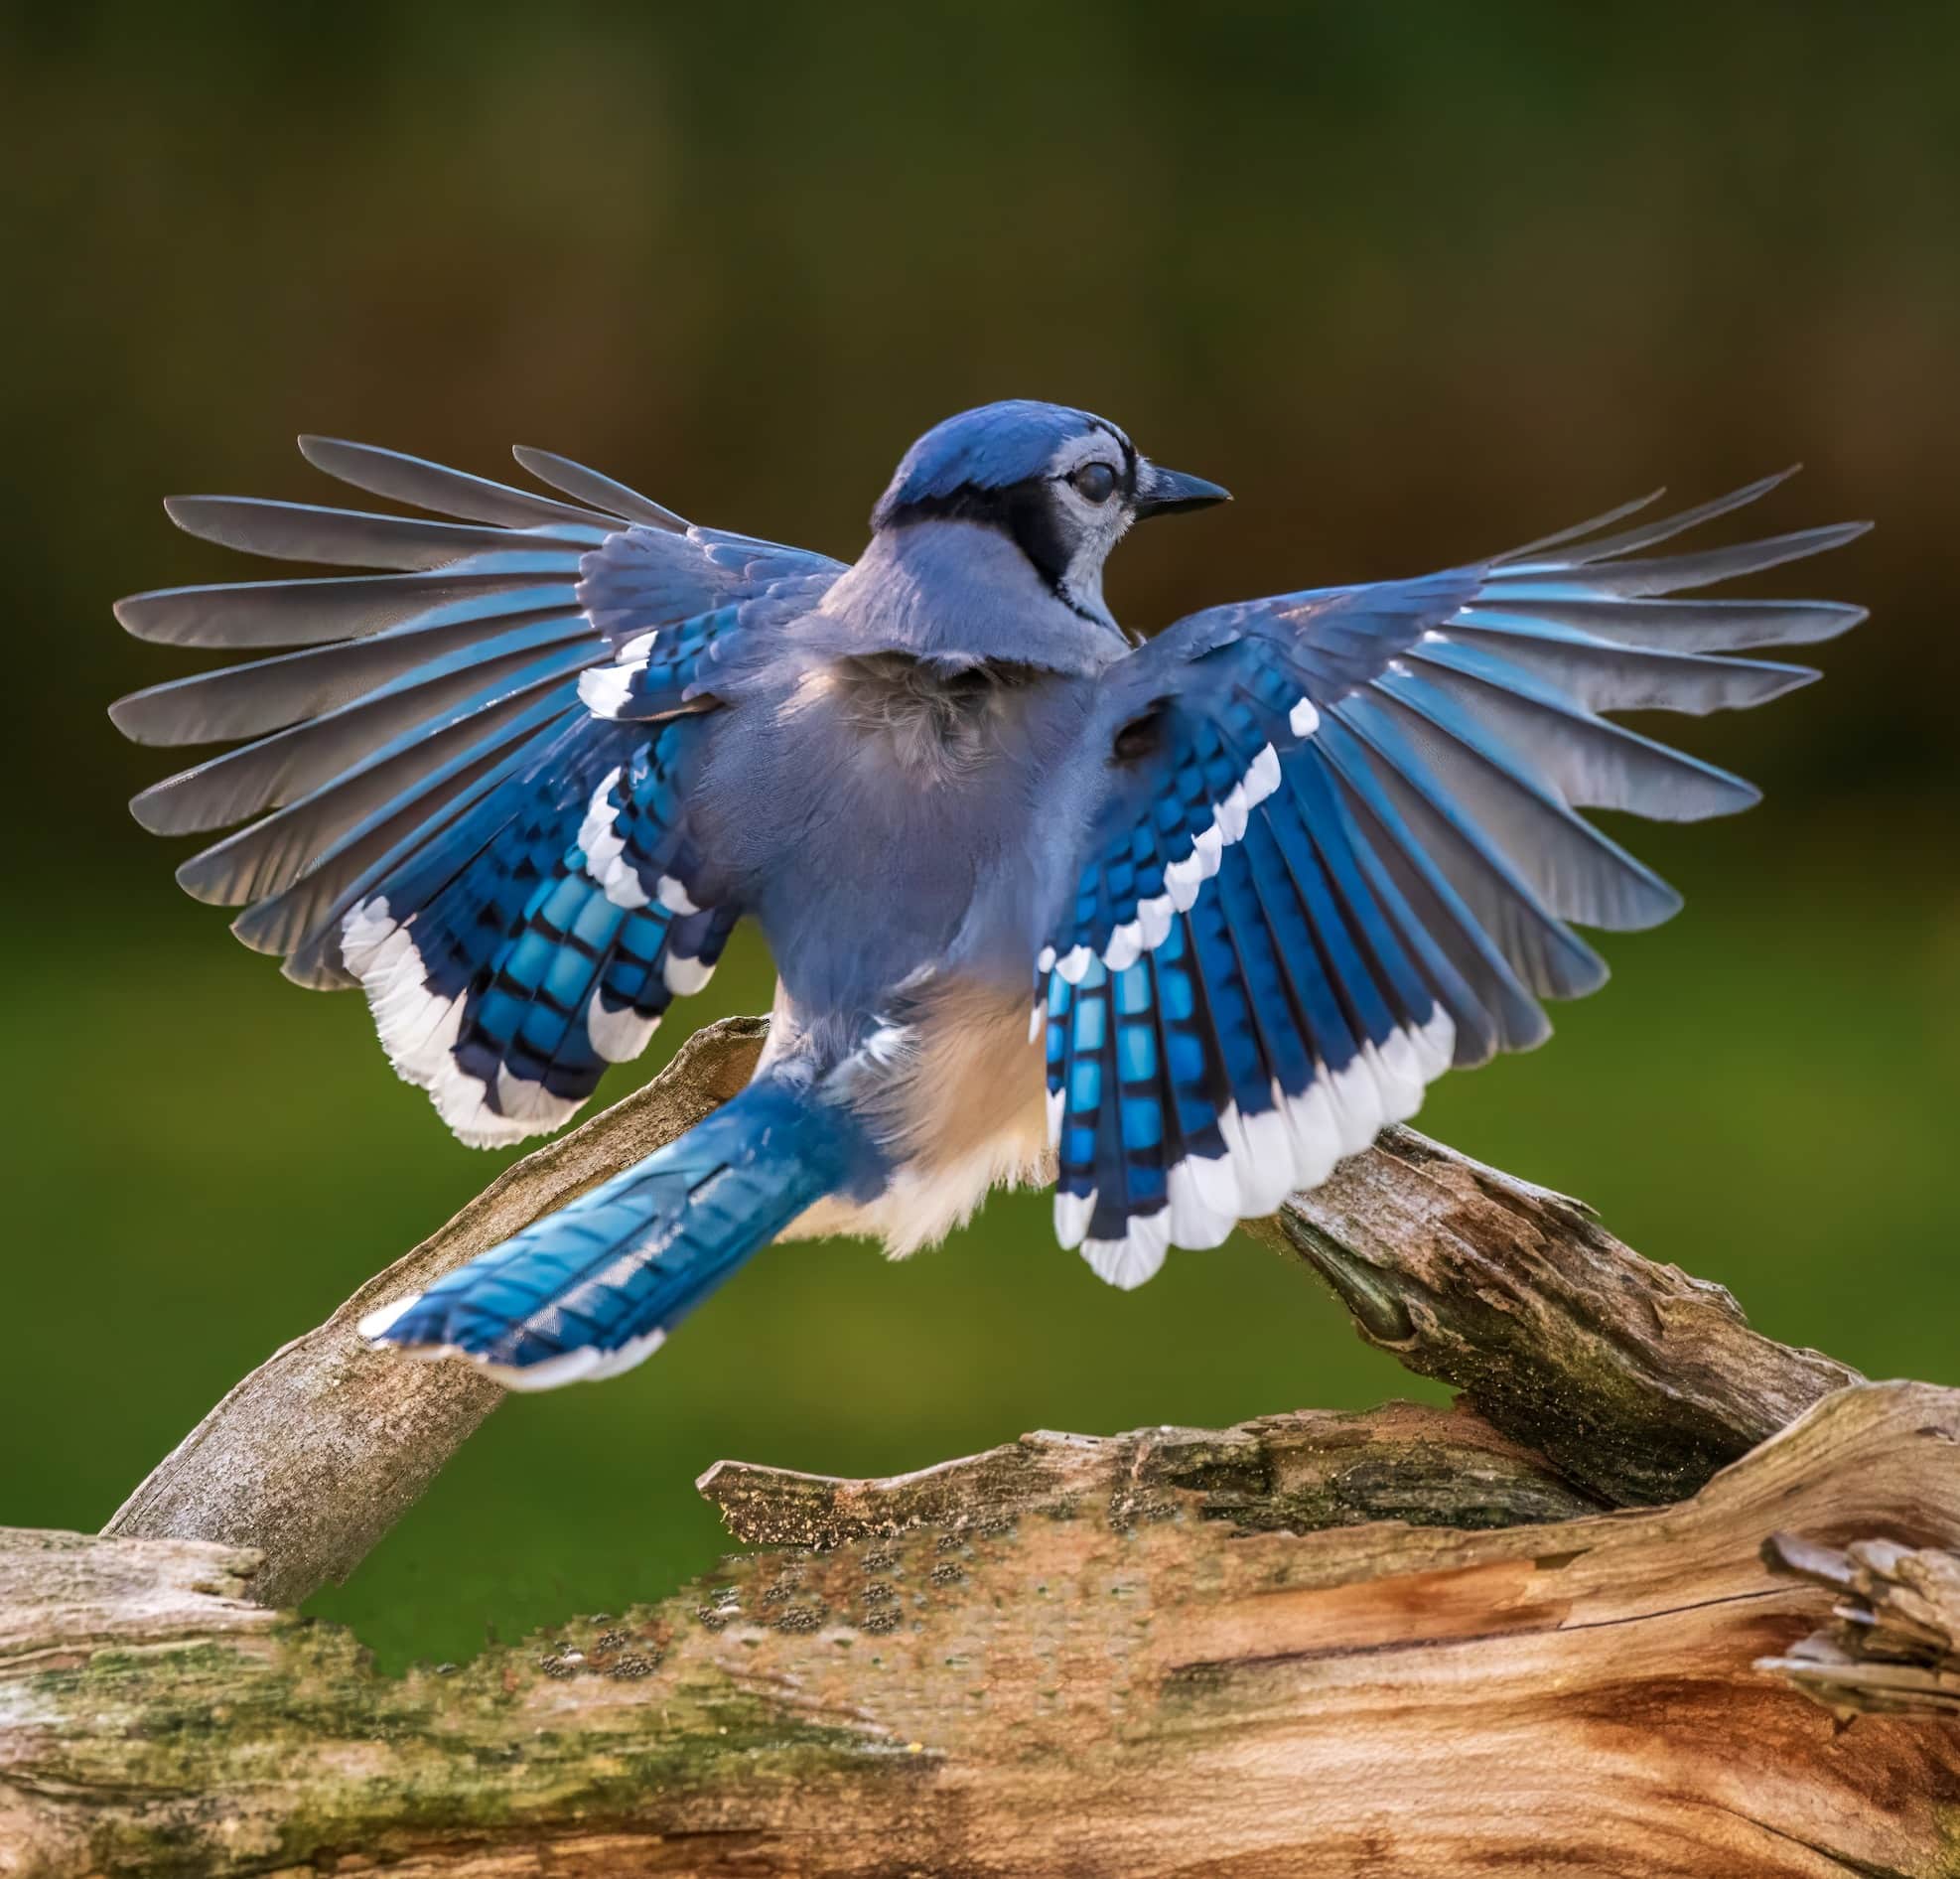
(1094, 528)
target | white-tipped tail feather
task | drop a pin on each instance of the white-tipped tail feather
(585, 1364)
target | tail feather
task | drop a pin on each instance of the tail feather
(595, 1288)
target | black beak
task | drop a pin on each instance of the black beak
(1163, 492)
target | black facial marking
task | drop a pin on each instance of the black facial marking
(1026, 512)
(1034, 520)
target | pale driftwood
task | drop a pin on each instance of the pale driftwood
(1069, 1656)
(316, 1454)
(1632, 1380)
(1896, 1643)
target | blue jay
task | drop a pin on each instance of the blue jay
(1175, 924)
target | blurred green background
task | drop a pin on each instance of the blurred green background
(1417, 281)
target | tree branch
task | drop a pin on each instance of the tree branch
(1635, 1379)
(1632, 1381)
(1309, 1469)
(1316, 1643)
(327, 1444)
(1114, 1656)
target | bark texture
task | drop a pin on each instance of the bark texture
(1896, 1644)
(1134, 1656)
(1633, 1380)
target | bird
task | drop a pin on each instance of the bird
(1175, 923)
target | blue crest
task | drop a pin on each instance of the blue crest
(991, 447)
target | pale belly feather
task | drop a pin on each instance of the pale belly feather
(960, 1097)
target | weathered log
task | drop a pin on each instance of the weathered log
(1309, 1469)
(1635, 1380)
(1083, 1656)
(1413, 1640)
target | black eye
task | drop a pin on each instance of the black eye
(1094, 481)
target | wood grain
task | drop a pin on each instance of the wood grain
(1063, 1657)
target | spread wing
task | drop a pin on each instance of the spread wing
(1335, 848)
(430, 808)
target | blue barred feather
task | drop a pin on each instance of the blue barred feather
(421, 769)
(507, 986)
(1372, 795)
(593, 1289)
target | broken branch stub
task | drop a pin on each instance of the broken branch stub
(1635, 1380)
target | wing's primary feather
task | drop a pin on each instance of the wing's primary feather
(596, 491)
(439, 817)
(435, 487)
(1337, 849)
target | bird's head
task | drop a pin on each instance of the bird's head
(1062, 485)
